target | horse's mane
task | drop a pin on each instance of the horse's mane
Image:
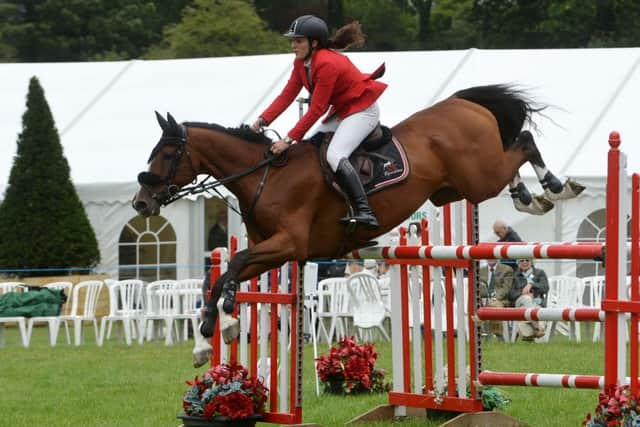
(243, 132)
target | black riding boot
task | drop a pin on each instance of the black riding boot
(350, 182)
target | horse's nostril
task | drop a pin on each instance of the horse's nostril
(139, 205)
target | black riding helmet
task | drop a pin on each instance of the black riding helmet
(311, 27)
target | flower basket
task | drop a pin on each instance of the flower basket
(616, 407)
(189, 421)
(225, 396)
(350, 368)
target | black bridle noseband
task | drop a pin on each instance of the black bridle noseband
(172, 192)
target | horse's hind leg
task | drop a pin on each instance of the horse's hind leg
(524, 201)
(553, 188)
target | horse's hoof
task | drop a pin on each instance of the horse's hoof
(230, 330)
(201, 356)
(569, 190)
(206, 328)
(551, 183)
(521, 193)
(538, 206)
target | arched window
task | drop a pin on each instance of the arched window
(147, 249)
(593, 229)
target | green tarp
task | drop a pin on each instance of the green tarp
(36, 302)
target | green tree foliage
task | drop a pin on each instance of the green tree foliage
(212, 28)
(42, 222)
(555, 24)
(80, 30)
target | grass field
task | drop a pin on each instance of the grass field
(143, 385)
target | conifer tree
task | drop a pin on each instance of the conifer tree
(42, 221)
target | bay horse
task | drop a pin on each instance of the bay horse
(468, 146)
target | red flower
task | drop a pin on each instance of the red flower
(353, 365)
(235, 405)
(250, 399)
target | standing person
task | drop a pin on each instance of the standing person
(383, 269)
(495, 284)
(530, 287)
(506, 234)
(333, 81)
(217, 237)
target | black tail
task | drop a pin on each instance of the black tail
(510, 106)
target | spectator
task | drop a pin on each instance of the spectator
(495, 281)
(506, 234)
(218, 232)
(329, 269)
(371, 266)
(530, 287)
(354, 266)
(383, 269)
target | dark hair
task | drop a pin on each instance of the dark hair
(347, 36)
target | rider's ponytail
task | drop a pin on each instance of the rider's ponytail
(347, 36)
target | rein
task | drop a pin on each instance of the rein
(174, 193)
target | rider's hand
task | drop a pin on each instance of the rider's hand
(258, 124)
(279, 146)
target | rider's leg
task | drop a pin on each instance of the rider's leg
(349, 134)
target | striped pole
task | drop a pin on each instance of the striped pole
(541, 380)
(543, 314)
(483, 251)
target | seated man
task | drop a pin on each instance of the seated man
(495, 281)
(530, 287)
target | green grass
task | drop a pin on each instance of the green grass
(143, 385)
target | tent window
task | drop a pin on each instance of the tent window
(147, 249)
(593, 229)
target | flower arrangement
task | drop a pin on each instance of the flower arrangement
(616, 407)
(350, 368)
(227, 391)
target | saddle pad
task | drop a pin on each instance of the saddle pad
(390, 166)
(380, 163)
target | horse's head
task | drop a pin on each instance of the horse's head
(170, 168)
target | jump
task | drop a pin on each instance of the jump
(468, 146)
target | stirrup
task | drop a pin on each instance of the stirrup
(352, 222)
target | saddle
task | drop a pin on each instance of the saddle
(380, 160)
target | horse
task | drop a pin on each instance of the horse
(468, 146)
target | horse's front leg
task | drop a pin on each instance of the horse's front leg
(248, 263)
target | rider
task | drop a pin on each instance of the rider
(332, 80)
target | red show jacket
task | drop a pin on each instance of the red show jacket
(336, 82)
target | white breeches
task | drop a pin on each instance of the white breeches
(349, 133)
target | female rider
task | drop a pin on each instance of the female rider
(332, 80)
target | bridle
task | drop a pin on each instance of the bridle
(172, 192)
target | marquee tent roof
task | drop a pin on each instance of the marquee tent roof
(104, 110)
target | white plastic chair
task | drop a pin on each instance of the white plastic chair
(91, 290)
(189, 295)
(125, 305)
(333, 305)
(7, 287)
(161, 306)
(367, 307)
(596, 288)
(564, 292)
(53, 321)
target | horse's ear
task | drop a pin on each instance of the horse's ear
(172, 122)
(162, 122)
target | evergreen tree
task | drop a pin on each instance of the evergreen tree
(42, 222)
